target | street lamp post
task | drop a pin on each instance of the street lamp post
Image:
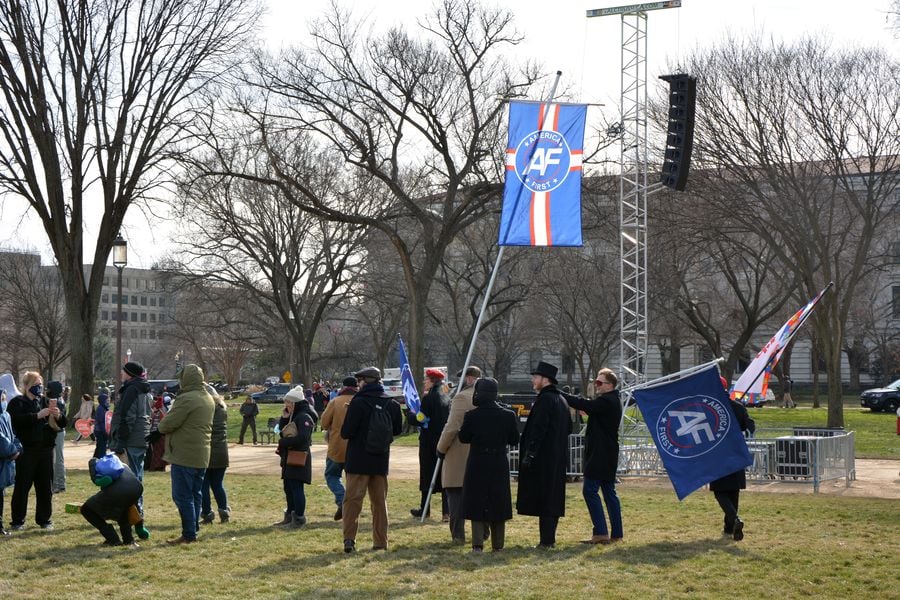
(120, 259)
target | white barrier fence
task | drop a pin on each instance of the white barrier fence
(797, 455)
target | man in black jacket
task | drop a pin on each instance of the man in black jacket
(366, 469)
(543, 456)
(601, 455)
(130, 424)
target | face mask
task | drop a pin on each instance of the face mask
(36, 390)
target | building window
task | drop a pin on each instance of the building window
(134, 317)
(143, 334)
(153, 317)
(143, 317)
(104, 298)
(162, 318)
(106, 281)
(134, 300)
(104, 315)
(895, 253)
(124, 299)
(125, 282)
(162, 301)
(143, 300)
(133, 333)
(152, 301)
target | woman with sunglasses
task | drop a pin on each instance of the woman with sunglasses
(601, 456)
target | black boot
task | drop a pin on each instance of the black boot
(285, 521)
(110, 536)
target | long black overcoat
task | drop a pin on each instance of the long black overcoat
(738, 479)
(435, 406)
(488, 429)
(542, 484)
(601, 438)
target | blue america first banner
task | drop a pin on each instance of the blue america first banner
(694, 429)
(542, 193)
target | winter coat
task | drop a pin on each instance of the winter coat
(332, 421)
(601, 438)
(435, 406)
(100, 416)
(356, 427)
(188, 425)
(110, 502)
(249, 410)
(31, 431)
(9, 447)
(545, 443)
(456, 452)
(218, 450)
(488, 429)
(86, 410)
(738, 479)
(305, 418)
(131, 419)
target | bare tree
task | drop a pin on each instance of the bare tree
(806, 137)
(275, 255)
(414, 121)
(31, 298)
(94, 98)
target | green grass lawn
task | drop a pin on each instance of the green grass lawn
(795, 546)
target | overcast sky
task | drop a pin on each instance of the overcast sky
(559, 36)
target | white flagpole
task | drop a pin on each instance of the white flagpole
(484, 303)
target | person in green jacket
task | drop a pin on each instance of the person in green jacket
(188, 431)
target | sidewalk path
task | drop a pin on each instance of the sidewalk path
(874, 478)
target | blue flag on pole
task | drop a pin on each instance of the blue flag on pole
(409, 384)
(695, 430)
(542, 193)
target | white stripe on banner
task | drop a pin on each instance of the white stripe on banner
(539, 217)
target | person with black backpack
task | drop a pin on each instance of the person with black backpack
(372, 421)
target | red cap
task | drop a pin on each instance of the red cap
(434, 373)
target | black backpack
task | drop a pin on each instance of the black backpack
(381, 429)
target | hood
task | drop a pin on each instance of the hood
(8, 384)
(142, 385)
(191, 378)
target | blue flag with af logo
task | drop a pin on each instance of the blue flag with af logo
(695, 430)
(413, 404)
(542, 193)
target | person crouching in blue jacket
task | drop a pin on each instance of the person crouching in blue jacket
(116, 501)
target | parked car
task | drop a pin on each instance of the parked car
(272, 394)
(270, 381)
(393, 387)
(885, 398)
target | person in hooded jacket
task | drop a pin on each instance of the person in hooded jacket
(31, 414)
(301, 417)
(213, 480)
(436, 408)
(486, 497)
(332, 421)
(131, 420)
(543, 456)
(188, 431)
(601, 456)
(10, 448)
(100, 433)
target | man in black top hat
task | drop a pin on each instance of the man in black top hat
(543, 455)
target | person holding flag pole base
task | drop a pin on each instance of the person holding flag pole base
(435, 410)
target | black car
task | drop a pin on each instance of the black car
(885, 398)
(274, 393)
(172, 386)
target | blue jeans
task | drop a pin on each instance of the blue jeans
(333, 471)
(136, 464)
(213, 480)
(295, 496)
(187, 483)
(590, 490)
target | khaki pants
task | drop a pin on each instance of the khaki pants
(357, 485)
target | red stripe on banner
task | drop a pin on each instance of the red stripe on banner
(547, 208)
(531, 220)
(556, 119)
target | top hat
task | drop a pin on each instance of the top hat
(547, 370)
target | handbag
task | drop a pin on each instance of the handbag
(297, 458)
(290, 430)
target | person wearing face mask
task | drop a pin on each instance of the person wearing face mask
(35, 421)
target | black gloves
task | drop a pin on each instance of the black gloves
(153, 437)
(441, 455)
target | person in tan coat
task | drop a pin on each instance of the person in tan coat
(455, 454)
(332, 421)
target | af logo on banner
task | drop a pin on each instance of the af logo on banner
(542, 193)
(694, 429)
